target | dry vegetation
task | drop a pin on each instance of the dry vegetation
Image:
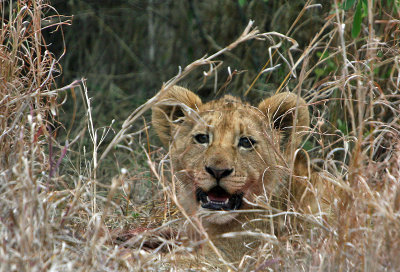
(59, 213)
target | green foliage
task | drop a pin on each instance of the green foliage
(383, 72)
(348, 4)
(361, 10)
(135, 215)
(355, 31)
(308, 145)
(395, 4)
(342, 126)
(328, 65)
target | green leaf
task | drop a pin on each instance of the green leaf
(322, 56)
(307, 145)
(242, 2)
(348, 4)
(355, 31)
(342, 126)
(135, 214)
(396, 4)
(319, 72)
(364, 8)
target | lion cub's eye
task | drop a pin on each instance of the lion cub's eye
(202, 138)
(246, 142)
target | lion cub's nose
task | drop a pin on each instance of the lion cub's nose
(218, 173)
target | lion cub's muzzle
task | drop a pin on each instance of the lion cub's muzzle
(219, 199)
(218, 173)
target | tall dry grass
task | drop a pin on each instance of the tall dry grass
(57, 213)
(27, 105)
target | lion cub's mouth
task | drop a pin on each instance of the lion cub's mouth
(219, 199)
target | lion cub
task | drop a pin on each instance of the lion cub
(234, 164)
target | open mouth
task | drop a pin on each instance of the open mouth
(219, 199)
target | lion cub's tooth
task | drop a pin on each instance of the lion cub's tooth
(208, 199)
(227, 201)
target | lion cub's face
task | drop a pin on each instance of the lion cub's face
(224, 151)
(219, 158)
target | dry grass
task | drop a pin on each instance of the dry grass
(56, 214)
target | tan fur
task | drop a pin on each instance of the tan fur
(262, 173)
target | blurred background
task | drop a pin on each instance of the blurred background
(127, 49)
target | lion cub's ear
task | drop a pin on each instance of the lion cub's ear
(280, 109)
(173, 104)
